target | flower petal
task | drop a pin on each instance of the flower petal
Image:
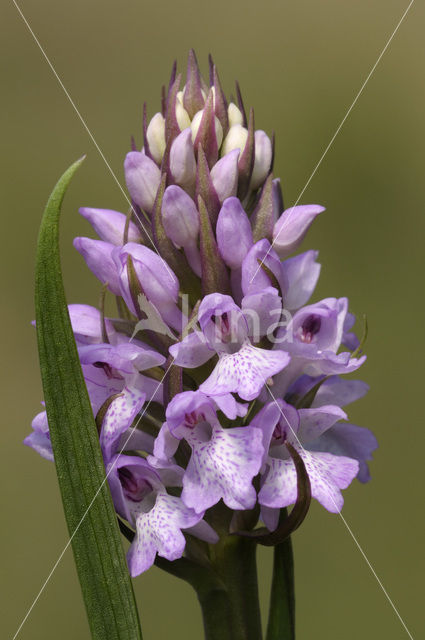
(302, 273)
(119, 417)
(223, 468)
(192, 351)
(244, 372)
(349, 440)
(328, 475)
(159, 531)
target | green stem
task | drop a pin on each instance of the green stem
(234, 560)
(281, 624)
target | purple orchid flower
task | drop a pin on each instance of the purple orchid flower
(223, 461)
(139, 491)
(328, 473)
(157, 281)
(242, 368)
(245, 330)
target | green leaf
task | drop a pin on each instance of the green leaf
(89, 512)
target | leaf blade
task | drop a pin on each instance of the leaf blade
(89, 512)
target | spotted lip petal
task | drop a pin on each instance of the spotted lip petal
(244, 372)
(158, 531)
(328, 475)
(223, 462)
(223, 468)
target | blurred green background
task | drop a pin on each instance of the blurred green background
(300, 64)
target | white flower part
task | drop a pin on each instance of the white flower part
(196, 122)
(263, 159)
(222, 465)
(236, 139)
(328, 475)
(234, 114)
(155, 134)
(244, 372)
(182, 116)
(158, 530)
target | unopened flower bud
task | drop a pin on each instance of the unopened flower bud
(182, 116)
(233, 223)
(98, 256)
(224, 175)
(293, 224)
(110, 225)
(157, 281)
(156, 137)
(180, 216)
(235, 139)
(235, 115)
(182, 160)
(142, 177)
(181, 223)
(263, 159)
(196, 124)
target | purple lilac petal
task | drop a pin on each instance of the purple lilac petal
(118, 418)
(330, 364)
(110, 225)
(315, 328)
(39, 439)
(262, 311)
(182, 160)
(158, 282)
(270, 517)
(314, 422)
(336, 390)
(222, 322)
(165, 444)
(222, 466)
(203, 531)
(142, 473)
(98, 257)
(125, 357)
(244, 372)
(277, 421)
(224, 176)
(328, 474)
(349, 440)
(302, 273)
(101, 385)
(349, 339)
(230, 407)
(292, 226)
(254, 277)
(233, 222)
(142, 177)
(193, 351)
(180, 217)
(86, 324)
(136, 440)
(188, 403)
